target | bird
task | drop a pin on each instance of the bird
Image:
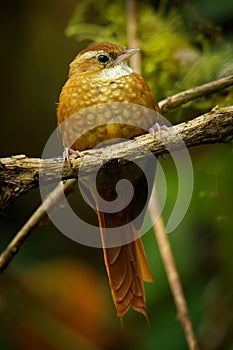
(100, 76)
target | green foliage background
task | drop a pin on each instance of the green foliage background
(180, 49)
(55, 293)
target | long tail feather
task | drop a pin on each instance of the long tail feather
(127, 267)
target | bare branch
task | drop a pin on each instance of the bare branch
(18, 174)
(21, 173)
(171, 103)
(40, 213)
(172, 275)
(135, 60)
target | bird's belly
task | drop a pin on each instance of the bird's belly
(103, 122)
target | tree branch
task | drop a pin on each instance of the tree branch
(39, 214)
(18, 174)
(172, 275)
(171, 103)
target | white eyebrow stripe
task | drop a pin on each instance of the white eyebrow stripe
(91, 54)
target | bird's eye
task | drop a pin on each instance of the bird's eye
(102, 58)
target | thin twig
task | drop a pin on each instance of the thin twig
(159, 227)
(172, 274)
(135, 61)
(40, 213)
(171, 103)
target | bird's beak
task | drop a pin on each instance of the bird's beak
(126, 55)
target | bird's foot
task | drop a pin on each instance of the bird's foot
(68, 152)
(156, 129)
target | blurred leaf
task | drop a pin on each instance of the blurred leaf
(57, 305)
(173, 58)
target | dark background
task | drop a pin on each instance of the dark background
(55, 294)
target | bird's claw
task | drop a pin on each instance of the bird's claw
(156, 129)
(68, 152)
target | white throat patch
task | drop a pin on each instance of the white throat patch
(115, 72)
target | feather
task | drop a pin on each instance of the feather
(127, 268)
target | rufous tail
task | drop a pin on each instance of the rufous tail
(127, 268)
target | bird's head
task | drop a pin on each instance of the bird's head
(104, 59)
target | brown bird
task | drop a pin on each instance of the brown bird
(99, 76)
